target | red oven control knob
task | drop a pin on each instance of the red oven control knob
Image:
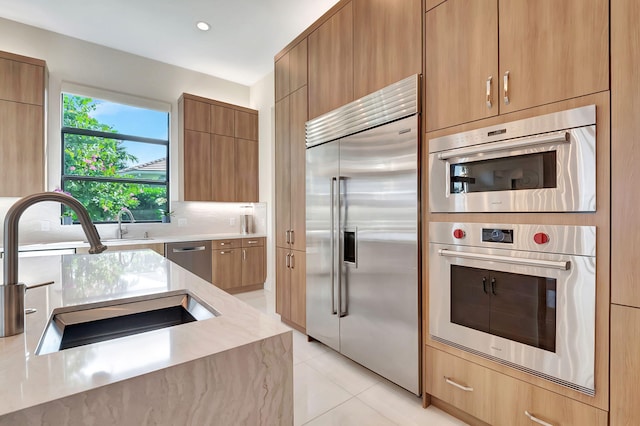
(458, 234)
(541, 238)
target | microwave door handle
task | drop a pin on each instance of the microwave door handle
(552, 264)
(507, 145)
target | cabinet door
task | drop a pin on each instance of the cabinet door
(246, 125)
(22, 154)
(222, 120)
(553, 50)
(226, 269)
(21, 82)
(387, 43)
(197, 165)
(625, 365)
(298, 66)
(282, 170)
(246, 171)
(253, 268)
(222, 165)
(282, 76)
(197, 115)
(331, 63)
(297, 146)
(298, 288)
(461, 51)
(283, 283)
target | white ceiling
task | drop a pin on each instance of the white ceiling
(244, 37)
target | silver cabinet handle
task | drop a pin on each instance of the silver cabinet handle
(292, 263)
(287, 261)
(244, 254)
(186, 249)
(288, 236)
(536, 420)
(489, 100)
(557, 137)
(506, 88)
(224, 252)
(252, 242)
(563, 265)
(293, 236)
(457, 385)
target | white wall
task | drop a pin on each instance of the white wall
(75, 61)
(263, 99)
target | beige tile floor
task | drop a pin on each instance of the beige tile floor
(330, 389)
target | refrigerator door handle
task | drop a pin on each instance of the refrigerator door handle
(333, 244)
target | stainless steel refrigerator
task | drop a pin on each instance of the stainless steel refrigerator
(362, 232)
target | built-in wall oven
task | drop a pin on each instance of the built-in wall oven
(521, 295)
(541, 164)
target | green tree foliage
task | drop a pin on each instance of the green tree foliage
(104, 157)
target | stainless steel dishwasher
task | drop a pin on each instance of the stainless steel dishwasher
(194, 256)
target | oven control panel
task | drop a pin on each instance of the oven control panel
(497, 235)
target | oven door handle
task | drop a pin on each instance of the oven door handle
(563, 265)
(507, 145)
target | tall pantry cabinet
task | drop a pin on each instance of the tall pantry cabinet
(22, 124)
(625, 224)
(291, 115)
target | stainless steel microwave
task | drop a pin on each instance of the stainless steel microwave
(540, 164)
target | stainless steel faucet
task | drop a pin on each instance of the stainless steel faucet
(121, 231)
(11, 291)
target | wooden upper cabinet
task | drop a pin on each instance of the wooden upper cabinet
(549, 51)
(387, 43)
(461, 45)
(282, 76)
(246, 170)
(246, 125)
(197, 115)
(219, 164)
(21, 79)
(197, 170)
(222, 121)
(553, 50)
(298, 66)
(331, 63)
(297, 152)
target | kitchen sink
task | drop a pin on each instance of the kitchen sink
(125, 240)
(70, 327)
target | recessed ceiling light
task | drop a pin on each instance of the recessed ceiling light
(203, 26)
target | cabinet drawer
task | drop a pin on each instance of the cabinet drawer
(225, 244)
(253, 242)
(499, 399)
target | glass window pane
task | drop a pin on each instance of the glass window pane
(104, 200)
(96, 114)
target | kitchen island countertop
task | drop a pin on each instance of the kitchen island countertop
(35, 382)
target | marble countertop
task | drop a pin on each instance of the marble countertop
(29, 379)
(133, 240)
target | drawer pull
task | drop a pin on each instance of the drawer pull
(459, 386)
(252, 242)
(536, 420)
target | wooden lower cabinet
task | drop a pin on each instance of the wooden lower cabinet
(498, 399)
(239, 264)
(291, 296)
(625, 365)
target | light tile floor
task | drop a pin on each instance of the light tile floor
(330, 389)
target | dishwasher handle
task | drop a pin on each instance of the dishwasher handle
(188, 249)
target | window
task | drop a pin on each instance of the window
(114, 156)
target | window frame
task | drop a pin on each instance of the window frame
(116, 136)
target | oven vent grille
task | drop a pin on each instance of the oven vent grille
(582, 389)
